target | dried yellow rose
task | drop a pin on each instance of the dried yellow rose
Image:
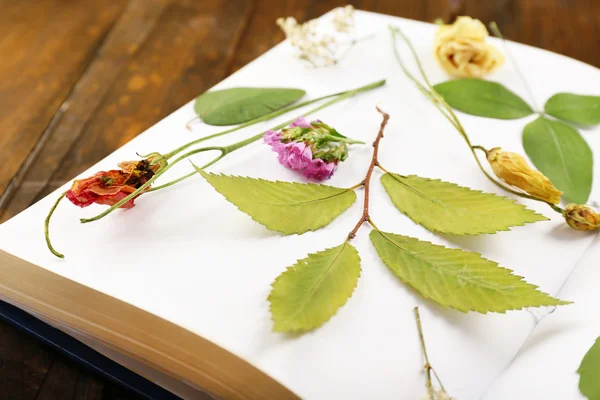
(514, 170)
(581, 217)
(462, 50)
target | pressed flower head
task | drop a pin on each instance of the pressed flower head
(462, 51)
(314, 149)
(514, 170)
(581, 217)
(110, 187)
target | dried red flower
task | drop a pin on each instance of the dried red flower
(110, 187)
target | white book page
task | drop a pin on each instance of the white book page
(189, 256)
(546, 366)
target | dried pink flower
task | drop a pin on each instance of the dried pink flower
(301, 122)
(295, 150)
(319, 170)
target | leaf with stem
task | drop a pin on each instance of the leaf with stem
(311, 291)
(448, 208)
(285, 207)
(237, 105)
(455, 278)
(575, 108)
(560, 153)
(483, 98)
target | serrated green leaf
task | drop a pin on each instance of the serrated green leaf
(483, 98)
(237, 105)
(448, 208)
(285, 207)
(589, 373)
(311, 291)
(454, 278)
(560, 153)
(576, 108)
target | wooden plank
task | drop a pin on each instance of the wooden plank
(567, 27)
(123, 41)
(24, 363)
(152, 63)
(44, 46)
(263, 33)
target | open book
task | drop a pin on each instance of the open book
(176, 288)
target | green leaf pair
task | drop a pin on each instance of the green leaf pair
(243, 104)
(311, 291)
(555, 148)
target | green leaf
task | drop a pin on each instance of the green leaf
(283, 206)
(576, 108)
(455, 278)
(560, 153)
(311, 291)
(238, 105)
(589, 373)
(483, 98)
(448, 208)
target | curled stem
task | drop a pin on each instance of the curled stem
(365, 217)
(47, 226)
(249, 123)
(225, 150)
(450, 115)
(340, 97)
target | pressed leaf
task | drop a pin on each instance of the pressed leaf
(285, 207)
(560, 153)
(454, 278)
(448, 208)
(589, 373)
(311, 291)
(576, 108)
(238, 105)
(483, 98)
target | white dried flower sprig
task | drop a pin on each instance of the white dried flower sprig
(343, 19)
(316, 47)
(432, 394)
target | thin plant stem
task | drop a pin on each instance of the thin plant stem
(365, 217)
(47, 227)
(449, 113)
(351, 44)
(249, 123)
(225, 150)
(341, 96)
(496, 31)
(428, 368)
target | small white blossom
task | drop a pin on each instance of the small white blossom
(318, 48)
(343, 18)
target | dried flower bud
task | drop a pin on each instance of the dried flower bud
(312, 148)
(462, 51)
(581, 217)
(514, 170)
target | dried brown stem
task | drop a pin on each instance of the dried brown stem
(367, 181)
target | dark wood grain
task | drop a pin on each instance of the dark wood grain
(80, 78)
(44, 47)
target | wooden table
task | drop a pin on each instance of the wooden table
(80, 78)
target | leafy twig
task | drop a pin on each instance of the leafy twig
(227, 149)
(448, 112)
(367, 181)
